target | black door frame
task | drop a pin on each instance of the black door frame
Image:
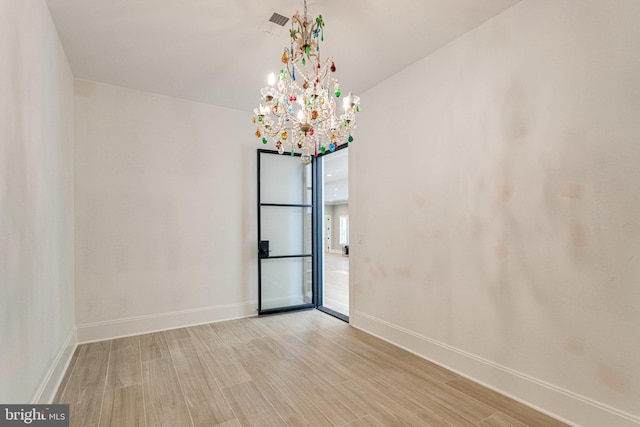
(313, 239)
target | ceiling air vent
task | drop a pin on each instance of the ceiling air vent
(276, 18)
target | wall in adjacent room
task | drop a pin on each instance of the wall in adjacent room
(37, 326)
(515, 259)
(165, 212)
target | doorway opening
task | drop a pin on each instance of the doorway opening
(303, 233)
(334, 286)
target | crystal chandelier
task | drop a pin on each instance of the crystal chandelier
(298, 108)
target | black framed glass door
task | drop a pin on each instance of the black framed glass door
(285, 233)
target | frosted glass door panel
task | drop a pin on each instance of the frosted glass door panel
(288, 229)
(286, 282)
(284, 180)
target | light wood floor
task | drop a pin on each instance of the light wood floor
(295, 369)
(336, 283)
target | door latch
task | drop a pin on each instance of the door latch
(263, 249)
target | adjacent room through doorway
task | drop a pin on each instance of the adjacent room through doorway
(335, 233)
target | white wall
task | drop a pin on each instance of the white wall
(516, 257)
(37, 333)
(165, 212)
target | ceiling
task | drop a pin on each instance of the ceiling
(220, 52)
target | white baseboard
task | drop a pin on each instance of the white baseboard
(99, 331)
(49, 386)
(552, 400)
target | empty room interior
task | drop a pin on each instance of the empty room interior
(482, 264)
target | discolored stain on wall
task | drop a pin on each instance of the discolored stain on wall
(505, 193)
(421, 201)
(519, 129)
(613, 379)
(574, 347)
(83, 88)
(380, 270)
(571, 191)
(404, 272)
(577, 235)
(501, 251)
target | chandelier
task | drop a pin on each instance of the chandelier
(297, 110)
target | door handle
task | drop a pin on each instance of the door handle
(263, 249)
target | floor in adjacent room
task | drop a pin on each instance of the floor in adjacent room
(336, 283)
(295, 369)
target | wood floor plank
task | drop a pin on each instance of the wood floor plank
(251, 407)
(153, 346)
(232, 423)
(376, 402)
(176, 334)
(211, 349)
(313, 360)
(380, 352)
(295, 409)
(367, 421)
(425, 390)
(431, 412)
(208, 337)
(500, 420)
(270, 349)
(124, 364)
(237, 338)
(282, 391)
(507, 406)
(338, 408)
(235, 332)
(85, 391)
(204, 398)
(163, 399)
(123, 407)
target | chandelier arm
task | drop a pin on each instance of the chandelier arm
(320, 121)
(277, 131)
(290, 64)
(324, 76)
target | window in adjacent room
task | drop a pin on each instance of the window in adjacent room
(344, 230)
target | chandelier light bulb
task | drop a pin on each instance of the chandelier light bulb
(271, 79)
(305, 157)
